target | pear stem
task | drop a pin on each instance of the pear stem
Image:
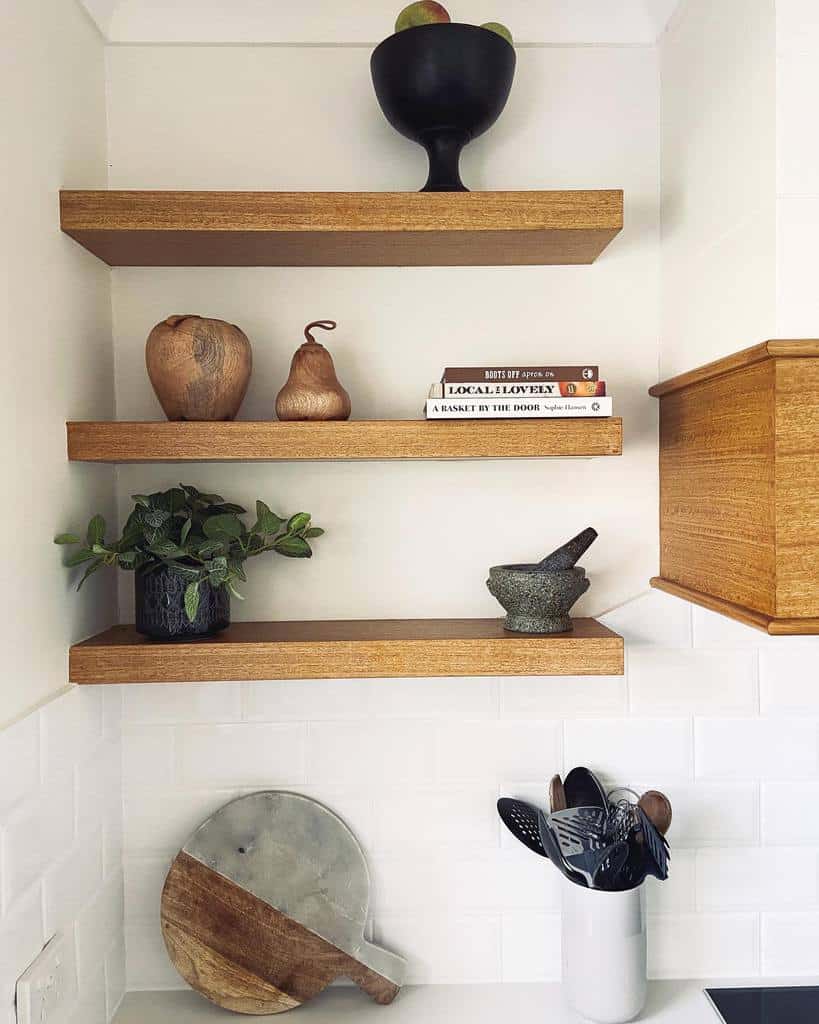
(326, 325)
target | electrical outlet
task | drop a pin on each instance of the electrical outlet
(47, 992)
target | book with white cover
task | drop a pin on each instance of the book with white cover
(504, 408)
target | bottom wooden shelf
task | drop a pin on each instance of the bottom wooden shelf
(361, 648)
(769, 623)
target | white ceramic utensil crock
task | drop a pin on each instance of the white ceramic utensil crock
(604, 953)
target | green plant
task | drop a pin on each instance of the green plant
(198, 535)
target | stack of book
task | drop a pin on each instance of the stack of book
(518, 392)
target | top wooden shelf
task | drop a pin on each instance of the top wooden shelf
(342, 229)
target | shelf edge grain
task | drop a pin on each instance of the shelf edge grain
(347, 440)
(355, 649)
(149, 228)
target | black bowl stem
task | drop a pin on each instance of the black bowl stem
(444, 152)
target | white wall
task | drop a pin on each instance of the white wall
(325, 21)
(58, 360)
(718, 181)
(60, 787)
(797, 184)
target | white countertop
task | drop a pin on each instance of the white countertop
(669, 1002)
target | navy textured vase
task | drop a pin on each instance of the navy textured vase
(160, 606)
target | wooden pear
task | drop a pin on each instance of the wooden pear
(312, 391)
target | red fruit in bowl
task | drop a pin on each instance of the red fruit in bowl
(424, 12)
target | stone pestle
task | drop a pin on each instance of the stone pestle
(566, 557)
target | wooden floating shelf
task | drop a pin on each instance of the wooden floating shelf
(346, 650)
(739, 486)
(342, 229)
(354, 439)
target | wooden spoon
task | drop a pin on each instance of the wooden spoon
(557, 795)
(657, 808)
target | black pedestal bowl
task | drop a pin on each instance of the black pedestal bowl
(441, 86)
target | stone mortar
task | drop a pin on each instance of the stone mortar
(537, 601)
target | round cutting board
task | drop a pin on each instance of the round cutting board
(266, 904)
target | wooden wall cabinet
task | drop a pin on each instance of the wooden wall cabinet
(739, 486)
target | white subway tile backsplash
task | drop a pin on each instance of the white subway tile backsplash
(463, 817)
(71, 728)
(92, 1007)
(711, 813)
(563, 696)
(53, 838)
(789, 813)
(463, 697)
(630, 748)
(148, 755)
(36, 835)
(183, 702)
(531, 947)
(266, 755)
(147, 964)
(790, 944)
(664, 682)
(99, 927)
(703, 945)
(450, 884)
(757, 748)
(443, 948)
(19, 761)
(161, 822)
(346, 752)
(99, 787)
(678, 893)
(757, 879)
(304, 700)
(115, 976)
(498, 750)
(144, 879)
(788, 681)
(711, 629)
(21, 939)
(526, 881)
(72, 882)
(654, 618)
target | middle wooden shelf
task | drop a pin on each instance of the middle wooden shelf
(272, 440)
(358, 648)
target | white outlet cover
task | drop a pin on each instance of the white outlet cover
(47, 992)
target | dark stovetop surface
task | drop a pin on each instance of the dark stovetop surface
(766, 1005)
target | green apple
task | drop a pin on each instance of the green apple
(501, 30)
(425, 12)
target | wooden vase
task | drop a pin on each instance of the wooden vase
(199, 368)
(313, 391)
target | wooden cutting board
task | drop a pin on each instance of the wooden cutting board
(266, 904)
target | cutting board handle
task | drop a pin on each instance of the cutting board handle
(379, 973)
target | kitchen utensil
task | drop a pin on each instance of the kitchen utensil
(567, 556)
(554, 853)
(655, 845)
(266, 904)
(584, 789)
(522, 821)
(657, 808)
(581, 835)
(557, 795)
